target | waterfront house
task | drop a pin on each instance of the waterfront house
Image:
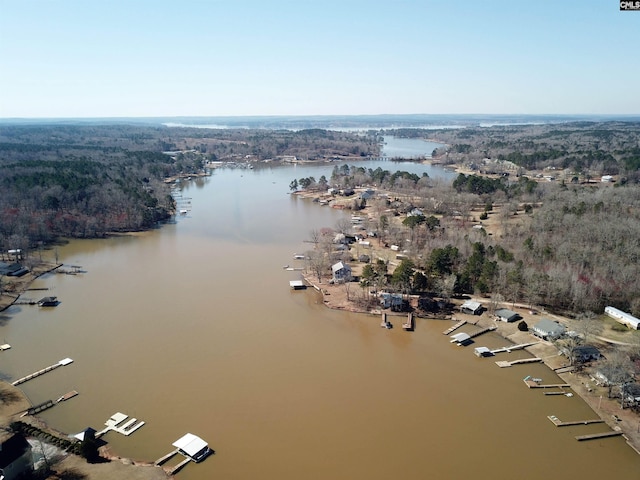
(394, 301)
(471, 307)
(632, 393)
(623, 317)
(341, 272)
(548, 329)
(586, 353)
(506, 315)
(15, 456)
(367, 194)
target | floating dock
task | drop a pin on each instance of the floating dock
(559, 423)
(118, 424)
(67, 396)
(61, 363)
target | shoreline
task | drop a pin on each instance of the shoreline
(608, 409)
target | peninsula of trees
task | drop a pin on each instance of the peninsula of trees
(89, 180)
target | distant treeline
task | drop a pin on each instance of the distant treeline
(587, 149)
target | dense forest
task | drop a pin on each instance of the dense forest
(89, 180)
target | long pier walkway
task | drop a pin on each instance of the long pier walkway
(559, 423)
(61, 363)
(512, 348)
(594, 436)
(504, 363)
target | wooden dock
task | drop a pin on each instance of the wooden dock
(179, 466)
(61, 363)
(166, 458)
(594, 436)
(455, 327)
(483, 331)
(512, 348)
(408, 324)
(504, 363)
(39, 408)
(533, 384)
(559, 423)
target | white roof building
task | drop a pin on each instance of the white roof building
(623, 317)
(192, 446)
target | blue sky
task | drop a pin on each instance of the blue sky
(79, 58)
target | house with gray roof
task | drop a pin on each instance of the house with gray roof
(548, 329)
(471, 307)
(506, 315)
(341, 272)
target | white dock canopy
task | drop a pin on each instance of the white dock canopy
(192, 445)
(297, 284)
(460, 338)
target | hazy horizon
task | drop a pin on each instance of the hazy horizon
(224, 58)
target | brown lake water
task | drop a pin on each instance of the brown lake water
(193, 328)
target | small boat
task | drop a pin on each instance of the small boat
(386, 324)
(184, 211)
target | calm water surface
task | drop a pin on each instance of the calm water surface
(193, 328)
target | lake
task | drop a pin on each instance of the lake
(193, 328)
